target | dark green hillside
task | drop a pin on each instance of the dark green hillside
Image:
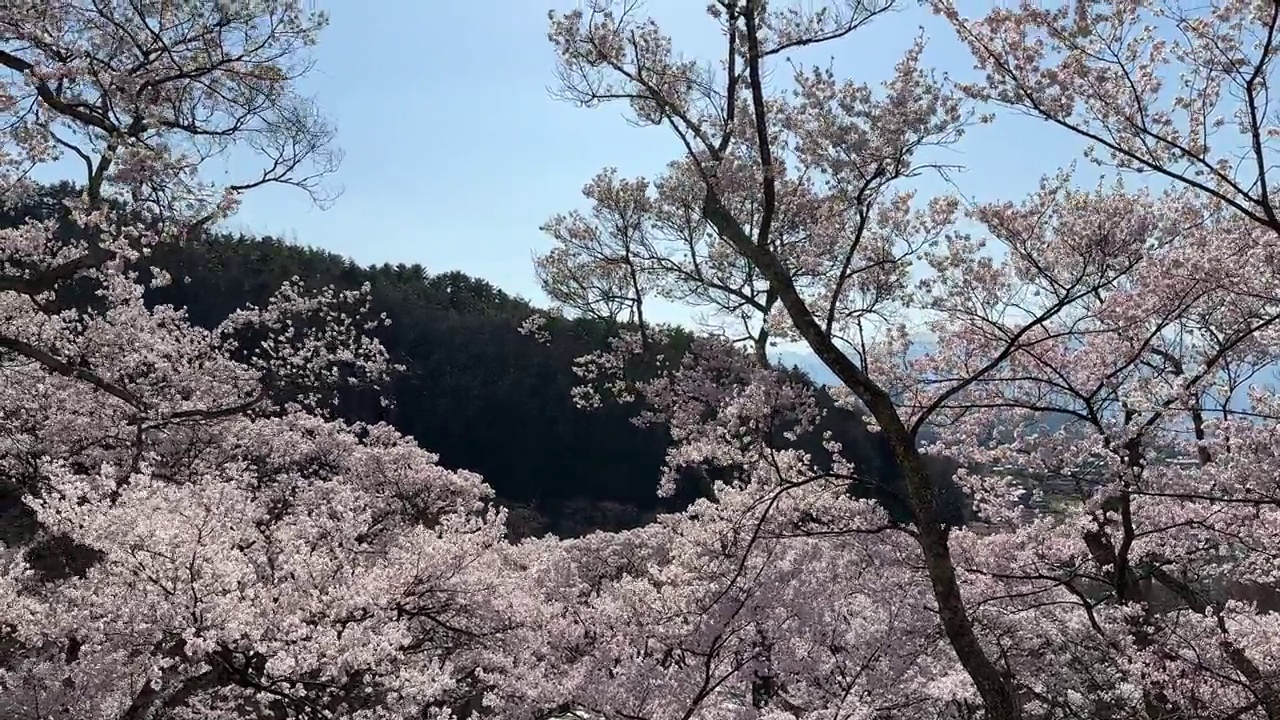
(475, 390)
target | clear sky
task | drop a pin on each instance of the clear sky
(456, 153)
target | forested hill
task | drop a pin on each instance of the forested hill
(474, 390)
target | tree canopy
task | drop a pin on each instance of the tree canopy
(238, 477)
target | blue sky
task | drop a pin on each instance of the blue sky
(456, 153)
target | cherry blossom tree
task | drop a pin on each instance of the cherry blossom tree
(201, 538)
(841, 143)
(593, 269)
(150, 92)
(1179, 95)
(1096, 342)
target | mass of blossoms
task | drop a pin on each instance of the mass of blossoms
(201, 537)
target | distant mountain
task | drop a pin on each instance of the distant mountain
(821, 375)
(808, 363)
